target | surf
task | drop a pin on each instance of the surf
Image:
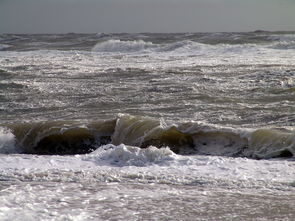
(191, 138)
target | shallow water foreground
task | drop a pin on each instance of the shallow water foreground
(117, 201)
(150, 184)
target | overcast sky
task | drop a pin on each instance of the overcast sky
(93, 16)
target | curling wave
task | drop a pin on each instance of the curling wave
(187, 138)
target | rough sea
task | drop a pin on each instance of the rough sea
(186, 126)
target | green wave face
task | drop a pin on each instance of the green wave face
(73, 137)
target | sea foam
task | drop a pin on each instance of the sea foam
(7, 142)
(124, 155)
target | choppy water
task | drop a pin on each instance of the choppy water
(102, 104)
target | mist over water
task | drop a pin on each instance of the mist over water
(117, 117)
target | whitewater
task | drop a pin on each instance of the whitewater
(148, 126)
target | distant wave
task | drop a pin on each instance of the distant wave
(122, 46)
(183, 46)
(177, 47)
(282, 37)
(128, 42)
(140, 45)
(4, 46)
(187, 138)
(283, 42)
(284, 45)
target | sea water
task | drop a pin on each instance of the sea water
(188, 126)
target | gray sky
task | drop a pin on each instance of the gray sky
(92, 16)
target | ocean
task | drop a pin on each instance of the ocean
(148, 126)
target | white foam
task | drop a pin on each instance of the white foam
(7, 142)
(131, 164)
(122, 46)
(128, 155)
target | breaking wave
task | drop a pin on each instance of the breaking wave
(187, 138)
(283, 42)
(178, 47)
(194, 47)
(185, 46)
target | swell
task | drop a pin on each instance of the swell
(66, 137)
